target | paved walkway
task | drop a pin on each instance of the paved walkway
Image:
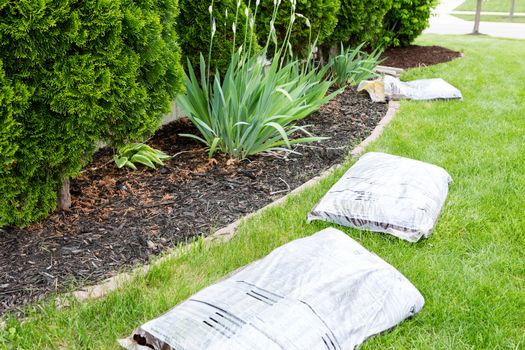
(518, 14)
(444, 23)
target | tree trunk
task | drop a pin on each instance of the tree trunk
(512, 7)
(478, 17)
(64, 196)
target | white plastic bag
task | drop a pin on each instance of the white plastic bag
(391, 88)
(387, 193)
(321, 292)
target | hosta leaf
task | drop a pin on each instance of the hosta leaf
(151, 155)
(138, 158)
(120, 161)
(130, 165)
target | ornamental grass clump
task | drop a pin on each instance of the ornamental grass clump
(255, 106)
(352, 66)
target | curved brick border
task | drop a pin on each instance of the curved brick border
(226, 233)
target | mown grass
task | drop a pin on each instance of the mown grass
(491, 6)
(493, 18)
(471, 270)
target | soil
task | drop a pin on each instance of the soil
(119, 218)
(413, 56)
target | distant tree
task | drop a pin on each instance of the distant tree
(512, 7)
(478, 17)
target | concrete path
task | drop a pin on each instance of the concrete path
(444, 23)
(517, 14)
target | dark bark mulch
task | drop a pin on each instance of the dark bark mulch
(119, 217)
(417, 56)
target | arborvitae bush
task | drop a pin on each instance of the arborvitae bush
(75, 73)
(406, 20)
(13, 103)
(322, 15)
(194, 30)
(360, 21)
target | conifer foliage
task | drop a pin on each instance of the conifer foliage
(360, 21)
(406, 20)
(74, 73)
(194, 28)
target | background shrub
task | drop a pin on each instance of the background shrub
(76, 73)
(405, 20)
(322, 15)
(360, 21)
(194, 31)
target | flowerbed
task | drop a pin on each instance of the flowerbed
(120, 218)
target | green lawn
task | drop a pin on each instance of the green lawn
(471, 271)
(492, 6)
(489, 18)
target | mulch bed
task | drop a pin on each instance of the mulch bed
(119, 218)
(417, 56)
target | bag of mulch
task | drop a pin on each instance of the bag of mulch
(391, 88)
(321, 292)
(387, 193)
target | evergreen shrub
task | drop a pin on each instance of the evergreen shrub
(360, 21)
(320, 19)
(406, 20)
(74, 73)
(194, 29)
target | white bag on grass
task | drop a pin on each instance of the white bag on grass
(387, 193)
(321, 292)
(391, 88)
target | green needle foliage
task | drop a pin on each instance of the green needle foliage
(75, 73)
(319, 16)
(255, 106)
(405, 21)
(140, 153)
(194, 27)
(352, 66)
(360, 21)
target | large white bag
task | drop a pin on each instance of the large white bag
(321, 292)
(387, 193)
(391, 88)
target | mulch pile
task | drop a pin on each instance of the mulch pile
(119, 218)
(414, 56)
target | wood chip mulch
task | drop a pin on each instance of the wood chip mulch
(414, 56)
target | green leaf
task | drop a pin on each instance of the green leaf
(151, 155)
(213, 147)
(120, 161)
(138, 158)
(130, 165)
